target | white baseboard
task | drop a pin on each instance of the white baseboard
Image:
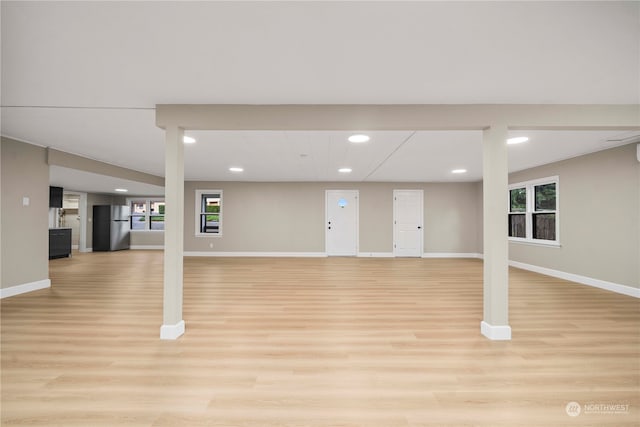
(146, 247)
(315, 254)
(172, 332)
(87, 250)
(258, 254)
(24, 288)
(76, 247)
(451, 255)
(424, 255)
(597, 283)
(496, 333)
(375, 255)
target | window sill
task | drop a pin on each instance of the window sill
(535, 242)
(147, 231)
(208, 235)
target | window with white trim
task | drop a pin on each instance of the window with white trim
(146, 214)
(208, 212)
(533, 211)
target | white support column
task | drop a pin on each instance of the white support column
(495, 323)
(173, 325)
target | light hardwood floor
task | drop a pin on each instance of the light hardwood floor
(313, 342)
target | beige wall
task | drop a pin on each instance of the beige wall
(451, 212)
(147, 238)
(289, 217)
(599, 217)
(25, 229)
(480, 217)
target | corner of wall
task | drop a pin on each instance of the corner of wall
(24, 181)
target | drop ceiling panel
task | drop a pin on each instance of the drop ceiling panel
(429, 156)
(551, 146)
(286, 155)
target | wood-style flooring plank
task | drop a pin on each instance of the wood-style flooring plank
(339, 342)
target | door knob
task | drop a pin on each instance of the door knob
(419, 227)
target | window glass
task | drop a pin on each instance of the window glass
(545, 197)
(147, 214)
(139, 215)
(210, 215)
(518, 200)
(544, 226)
(533, 211)
(157, 215)
(518, 225)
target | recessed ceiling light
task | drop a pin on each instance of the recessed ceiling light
(344, 170)
(459, 171)
(235, 169)
(517, 140)
(188, 139)
(359, 138)
(121, 190)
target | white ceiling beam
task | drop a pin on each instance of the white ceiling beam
(397, 117)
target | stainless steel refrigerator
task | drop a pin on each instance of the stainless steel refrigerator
(111, 227)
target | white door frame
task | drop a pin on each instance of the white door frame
(82, 213)
(326, 218)
(421, 227)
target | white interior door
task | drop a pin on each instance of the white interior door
(341, 222)
(407, 223)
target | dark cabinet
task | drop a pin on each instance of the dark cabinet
(55, 197)
(59, 242)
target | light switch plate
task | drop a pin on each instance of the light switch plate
(25, 201)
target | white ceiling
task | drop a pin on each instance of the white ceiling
(138, 54)
(84, 77)
(390, 156)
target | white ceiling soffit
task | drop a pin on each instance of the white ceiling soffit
(127, 138)
(87, 182)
